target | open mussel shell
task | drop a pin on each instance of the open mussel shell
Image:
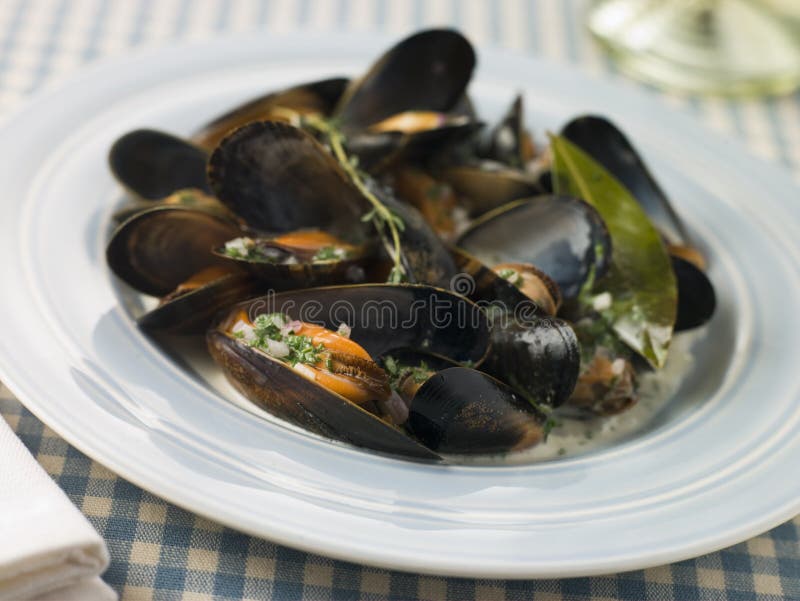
(305, 274)
(534, 353)
(156, 250)
(387, 317)
(562, 236)
(486, 185)
(278, 178)
(377, 151)
(508, 142)
(464, 411)
(486, 287)
(190, 198)
(193, 312)
(152, 164)
(285, 393)
(318, 97)
(428, 71)
(696, 297)
(605, 143)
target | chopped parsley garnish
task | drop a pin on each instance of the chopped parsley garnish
(257, 251)
(548, 426)
(512, 275)
(330, 253)
(398, 372)
(269, 335)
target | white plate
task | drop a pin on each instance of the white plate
(715, 468)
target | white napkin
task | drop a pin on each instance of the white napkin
(48, 550)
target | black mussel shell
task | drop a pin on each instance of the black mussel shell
(464, 107)
(156, 250)
(486, 185)
(425, 257)
(485, 287)
(153, 164)
(562, 236)
(508, 142)
(377, 151)
(539, 357)
(696, 297)
(387, 317)
(193, 312)
(283, 392)
(463, 411)
(278, 178)
(545, 181)
(319, 97)
(190, 198)
(286, 276)
(605, 143)
(428, 71)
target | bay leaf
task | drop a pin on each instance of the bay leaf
(640, 280)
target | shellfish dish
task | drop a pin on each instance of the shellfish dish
(368, 259)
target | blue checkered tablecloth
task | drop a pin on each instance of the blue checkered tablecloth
(162, 552)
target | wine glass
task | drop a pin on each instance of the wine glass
(731, 47)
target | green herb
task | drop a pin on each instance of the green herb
(512, 275)
(391, 367)
(549, 424)
(302, 350)
(268, 327)
(640, 279)
(398, 372)
(234, 253)
(329, 253)
(380, 215)
(421, 373)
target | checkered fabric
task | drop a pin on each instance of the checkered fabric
(162, 552)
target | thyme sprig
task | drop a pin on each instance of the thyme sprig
(381, 216)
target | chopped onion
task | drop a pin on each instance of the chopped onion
(276, 349)
(293, 327)
(344, 330)
(248, 334)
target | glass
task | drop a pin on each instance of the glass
(732, 47)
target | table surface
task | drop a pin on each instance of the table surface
(159, 551)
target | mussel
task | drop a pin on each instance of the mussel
(534, 353)
(279, 179)
(606, 143)
(410, 103)
(562, 236)
(486, 185)
(166, 251)
(152, 164)
(696, 297)
(509, 142)
(314, 98)
(464, 411)
(157, 250)
(299, 259)
(428, 71)
(335, 388)
(435, 200)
